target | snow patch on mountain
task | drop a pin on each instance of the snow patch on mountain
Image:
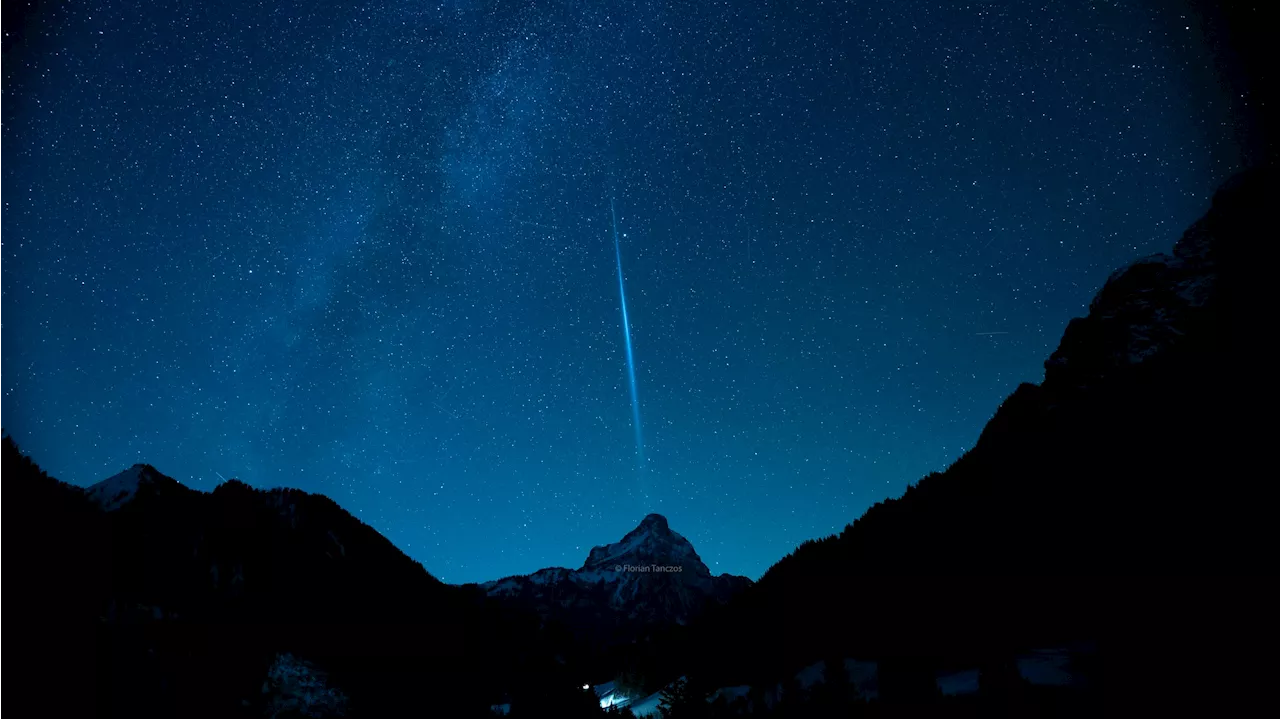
(1143, 309)
(121, 489)
(117, 490)
(653, 539)
(652, 574)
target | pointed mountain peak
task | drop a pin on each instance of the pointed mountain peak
(650, 576)
(655, 522)
(652, 541)
(118, 490)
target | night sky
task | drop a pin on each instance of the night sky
(367, 250)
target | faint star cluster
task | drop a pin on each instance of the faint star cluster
(365, 249)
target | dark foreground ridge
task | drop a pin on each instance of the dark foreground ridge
(158, 600)
(1120, 502)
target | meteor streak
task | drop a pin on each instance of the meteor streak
(626, 329)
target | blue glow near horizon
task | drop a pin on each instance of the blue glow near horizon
(626, 331)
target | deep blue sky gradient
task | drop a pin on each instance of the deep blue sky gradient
(365, 249)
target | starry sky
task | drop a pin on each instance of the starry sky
(365, 249)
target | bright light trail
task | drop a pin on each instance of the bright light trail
(626, 330)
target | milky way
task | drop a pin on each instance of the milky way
(360, 249)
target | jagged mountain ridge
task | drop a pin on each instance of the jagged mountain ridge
(118, 490)
(652, 576)
(172, 601)
(1135, 457)
(1147, 307)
